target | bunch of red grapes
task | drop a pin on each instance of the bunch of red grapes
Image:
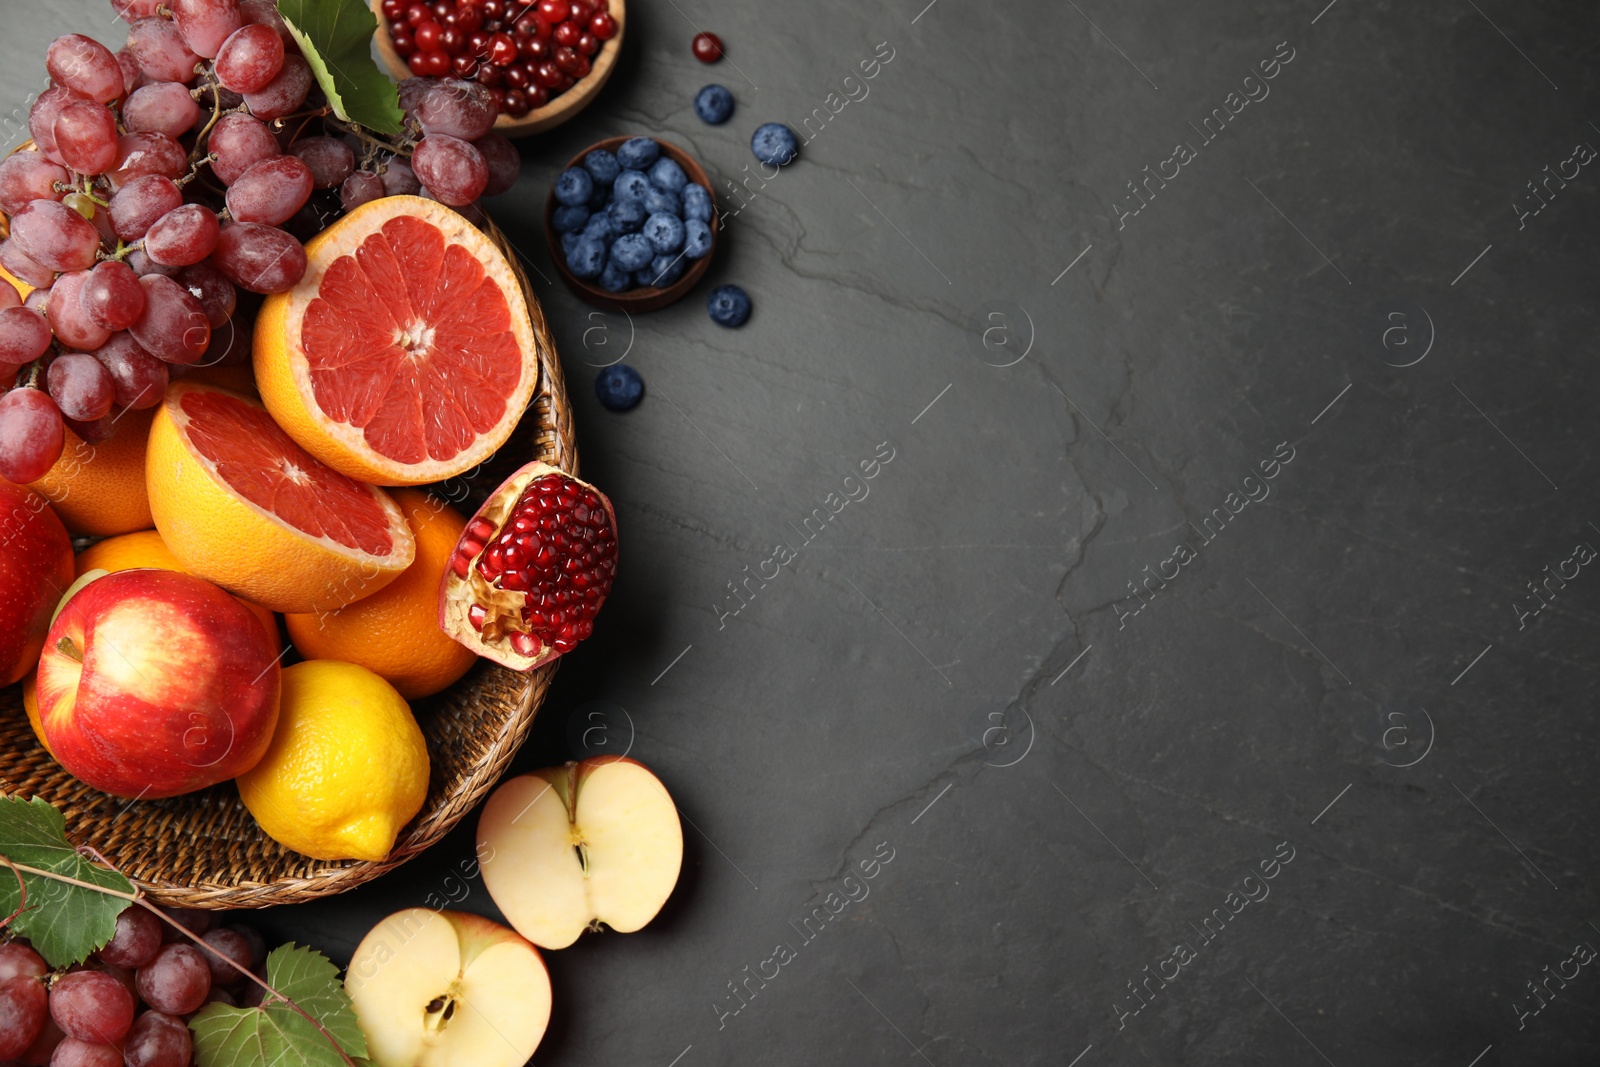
(129, 1005)
(527, 52)
(169, 176)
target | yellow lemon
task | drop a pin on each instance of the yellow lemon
(347, 768)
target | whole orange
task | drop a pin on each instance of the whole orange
(98, 490)
(395, 632)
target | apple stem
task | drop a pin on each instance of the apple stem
(138, 898)
(69, 650)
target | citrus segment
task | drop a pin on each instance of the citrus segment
(239, 503)
(99, 489)
(405, 355)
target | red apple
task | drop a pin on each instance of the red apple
(35, 570)
(155, 683)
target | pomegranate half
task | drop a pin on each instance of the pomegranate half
(531, 569)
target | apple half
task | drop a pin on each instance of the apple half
(566, 849)
(448, 989)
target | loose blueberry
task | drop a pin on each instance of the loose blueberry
(602, 166)
(627, 215)
(588, 258)
(637, 153)
(668, 176)
(631, 185)
(729, 306)
(661, 202)
(665, 269)
(632, 252)
(775, 144)
(619, 387)
(569, 241)
(665, 233)
(601, 227)
(696, 238)
(713, 104)
(574, 186)
(616, 280)
(696, 203)
(569, 218)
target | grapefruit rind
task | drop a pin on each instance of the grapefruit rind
(283, 369)
(219, 535)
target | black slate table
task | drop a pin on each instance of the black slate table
(1206, 673)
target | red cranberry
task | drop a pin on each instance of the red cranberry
(547, 74)
(537, 27)
(517, 77)
(538, 96)
(534, 49)
(516, 104)
(553, 11)
(493, 9)
(469, 19)
(707, 47)
(464, 66)
(478, 43)
(441, 8)
(567, 82)
(502, 50)
(603, 26)
(394, 9)
(588, 44)
(418, 13)
(567, 60)
(427, 36)
(490, 75)
(403, 44)
(580, 12)
(499, 97)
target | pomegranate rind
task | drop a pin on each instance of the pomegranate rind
(458, 595)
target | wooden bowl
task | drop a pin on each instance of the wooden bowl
(204, 850)
(650, 298)
(553, 114)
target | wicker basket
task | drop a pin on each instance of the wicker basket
(204, 850)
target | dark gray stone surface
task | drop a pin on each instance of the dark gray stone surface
(957, 669)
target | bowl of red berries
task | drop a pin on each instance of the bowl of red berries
(543, 59)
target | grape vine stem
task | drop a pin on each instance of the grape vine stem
(19, 869)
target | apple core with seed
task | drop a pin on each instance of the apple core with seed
(571, 848)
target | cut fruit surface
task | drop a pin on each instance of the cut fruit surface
(405, 355)
(240, 503)
(567, 848)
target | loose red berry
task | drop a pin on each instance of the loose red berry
(588, 44)
(490, 75)
(534, 49)
(502, 50)
(547, 74)
(707, 47)
(603, 26)
(418, 13)
(567, 33)
(464, 66)
(517, 104)
(403, 44)
(427, 36)
(553, 11)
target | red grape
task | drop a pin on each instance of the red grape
(226, 943)
(29, 176)
(70, 320)
(141, 203)
(82, 388)
(24, 337)
(206, 24)
(331, 161)
(158, 1040)
(284, 93)
(183, 236)
(42, 119)
(258, 945)
(132, 75)
(399, 179)
(91, 1005)
(173, 327)
(85, 133)
(259, 258)
(138, 932)
(55, 236)
(239, 142)
(360, 188)
(270, 191)
(195, 920)
(75, 1053)
(85, 66)
(9, 297)
(141, 382)
(111, 296)
(133, 10)
(161, 51)
(143, 264)
(250, 58)
(265, 13)
(212, 288)
(177, 980)
(451, 169)
(22, 266)
(164, 107)
(461, 109)
(23, 999)
(503, 161)
(31, 435)
(19, 959)
(139, 154)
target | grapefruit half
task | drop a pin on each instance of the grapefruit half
(240, 504)
(405, 355)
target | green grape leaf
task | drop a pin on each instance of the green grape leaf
(336, 39)
(275, 1035)
(65, 922)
